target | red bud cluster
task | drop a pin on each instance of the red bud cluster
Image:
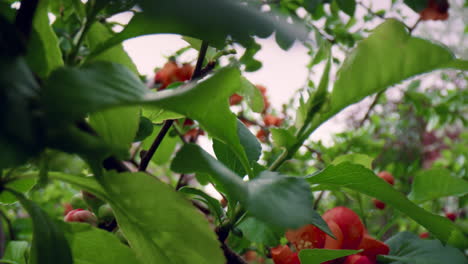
(172, 72)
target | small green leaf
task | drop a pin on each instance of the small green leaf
(49, 244)
(317, 256)
(436, 183)
(282, 137)
(361, 179)
(145, 129)
(16, 251)
(259, 232)
(348, 6)
(252, 95)
(406, 248)
(213, 204)
(249, 142)
(93, 245)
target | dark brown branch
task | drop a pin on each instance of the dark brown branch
(231, 256)
(157, 141)
(319, 198)
(24, 17)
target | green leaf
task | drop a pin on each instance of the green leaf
(375, 64)
(44, 55)
(165, 149)
(158, 115)
(276, 199)
(249, 142)
(16, 251)
(361, 179)
(213, 204)
(94, 87)
(160, 225)
(416, 5)
(317, 256)
(436, 183)
(348, 6)
(250, 63)
(21, 185)
(282, 137)
(98, 34)
(196, 44)
(407, 248)
(210, 20)
(93, 245)
(145, 129)
(49, 244)
(259, 232)
(252, 95)
(103, 85)
(117, 126)
(355, 158)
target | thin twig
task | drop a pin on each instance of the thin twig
(371, 107)
(159, 138)
(415, 25)
(319, 198)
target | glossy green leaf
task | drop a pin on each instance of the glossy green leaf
(249, 142)
(49, 244)
(355, 158)
(16, 251)
(44, 55)
(317, 256)
(160, 225)
(102, 85)
(361, 179)
(97, 246)
(407, 248)
(145, 129)
(276, 199)
(416, 5)
(117, 126)
(158, 115)
(436, 183)
(376, 64)
(94, 87)
(210, 20)
(259, 232)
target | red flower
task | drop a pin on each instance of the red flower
(80, 215)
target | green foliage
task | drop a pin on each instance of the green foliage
(436, 183)
(358, 178)
(409, 248)
(317, 256)
(92, 245)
